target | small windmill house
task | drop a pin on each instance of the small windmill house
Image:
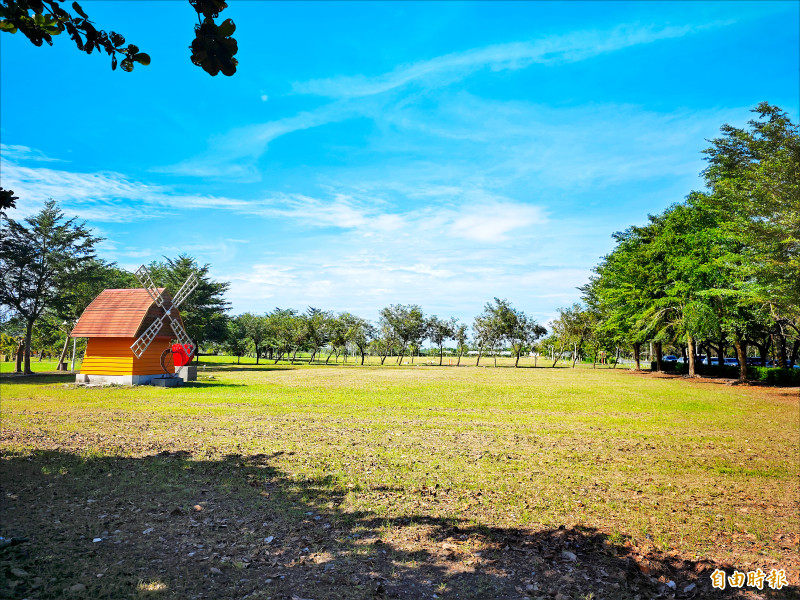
(130, 333)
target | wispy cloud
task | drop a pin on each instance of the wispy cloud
(233, 154)
(15, 152)
(103, 196)
(554, 50)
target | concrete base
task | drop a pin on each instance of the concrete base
(187, 372)
(115, 379)
(166, 381)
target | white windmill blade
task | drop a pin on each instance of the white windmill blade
(187, 288)
(180, 332)
(143, 275)
(143, 341)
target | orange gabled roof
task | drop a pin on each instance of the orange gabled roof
(121, 313)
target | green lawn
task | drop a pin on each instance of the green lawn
(37, 366)
(466, 482)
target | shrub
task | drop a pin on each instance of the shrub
(769, 375)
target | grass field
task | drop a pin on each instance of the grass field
(411, 482)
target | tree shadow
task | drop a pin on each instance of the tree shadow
(37, 378)
(175, 526)
(248, 368)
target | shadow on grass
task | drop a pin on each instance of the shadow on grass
(36, 378)
(235, 367)
(173, 526)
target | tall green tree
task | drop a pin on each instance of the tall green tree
(40, 258)
(753, 180)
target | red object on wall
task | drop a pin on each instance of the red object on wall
(182, 355)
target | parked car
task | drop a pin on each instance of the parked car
(714, 362)
(733, 362)
(669, 358)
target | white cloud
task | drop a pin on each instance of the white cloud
(14, 152)
(493, 222)
(104, 196)
(572, 47)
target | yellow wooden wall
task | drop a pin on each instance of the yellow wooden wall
(113, 356)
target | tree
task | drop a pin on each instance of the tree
(7, 200)
(360, 332)
(407, 322)
(204, 310)
(485, 328)
(39, 259)
(461, 338)
(337, 336)
(236, 338)
(213, 47)
(522, 332)
(387, 340)
(572, 327)
(255, 328)
(317, 322)
(438, 331)
(753, 179)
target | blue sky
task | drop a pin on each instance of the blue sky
(368, 154)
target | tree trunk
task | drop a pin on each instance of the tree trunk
(637, 347)
(556, 356)
(690, 354)
(575, 354)
(793, 357)
(780, 350)
(659, 366)
(480, 349)
(616, 358)
(721, 353)
(329, 356)
(278, 357)
(741, 354)
(516, 362)
(62, 366)
(441, 354)
(763, 353)
(402, 354)
(313, 354)
(19, 356)
(257, 353)
(362, 357)
(27, 357)
(458, 363)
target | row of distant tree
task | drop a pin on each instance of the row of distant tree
(402, 329)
